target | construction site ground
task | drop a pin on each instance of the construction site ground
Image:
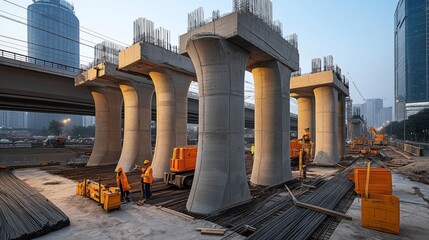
(149, 221)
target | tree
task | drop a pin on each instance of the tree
(416, 127)
(83, 132)
(55, 127)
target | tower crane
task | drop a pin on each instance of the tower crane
(358, 91)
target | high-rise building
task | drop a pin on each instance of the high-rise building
(370, 109)
(53, 35)
(13, 119)
(411, 57)
(384, 116)
(53, 32)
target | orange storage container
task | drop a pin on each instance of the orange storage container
(381, 212)
(380, 180)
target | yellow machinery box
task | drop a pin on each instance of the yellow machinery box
(380, 180)
(381, 212)
(108, 198)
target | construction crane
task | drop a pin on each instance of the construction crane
(358, 91)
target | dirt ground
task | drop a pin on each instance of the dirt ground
(413, 167)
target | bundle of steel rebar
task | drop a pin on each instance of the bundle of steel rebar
(300, 223)
(25, 213)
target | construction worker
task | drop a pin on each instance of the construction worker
(122, 183)
(306, 137)
(147, 179)
(252, 149)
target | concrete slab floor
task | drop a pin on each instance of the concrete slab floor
(414, 214)
(89, 221)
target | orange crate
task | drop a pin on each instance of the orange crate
(380, 180)
(381, 212)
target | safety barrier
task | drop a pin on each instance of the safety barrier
(407, 147)
(414, 150)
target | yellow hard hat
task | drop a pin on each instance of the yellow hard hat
(146, 162)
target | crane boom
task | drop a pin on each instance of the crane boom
(358, 90)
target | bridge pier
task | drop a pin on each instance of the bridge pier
(137, 132)
(326, 126)
(220, 176)
(271, 164)
(306, 116)
(108, 107)
(341, 125)
(171, 116)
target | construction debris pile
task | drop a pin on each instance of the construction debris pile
(25, 213)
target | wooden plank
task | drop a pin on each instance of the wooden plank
(214, 231)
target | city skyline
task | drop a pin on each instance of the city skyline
(359, 35)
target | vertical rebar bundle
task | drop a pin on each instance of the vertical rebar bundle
(293, 39)
(316, 65)
(328, 63)
(162, 38)
(196, 19)
(261, 8)
(25, 213)
(106, 52)
(143, 30)
(338, 70)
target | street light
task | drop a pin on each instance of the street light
(65, 121)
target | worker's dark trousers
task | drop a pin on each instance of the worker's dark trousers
(125, 195)
(147, 191)
(142, 185)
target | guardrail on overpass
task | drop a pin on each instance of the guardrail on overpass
(37, 61)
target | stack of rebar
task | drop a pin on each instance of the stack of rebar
(25, 213)
(300, 223)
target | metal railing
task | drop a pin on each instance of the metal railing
(37, 61)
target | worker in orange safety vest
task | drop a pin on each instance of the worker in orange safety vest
(122, 183)
(147, 179)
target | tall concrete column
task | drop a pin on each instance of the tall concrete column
(306, 116)
(220, 175)
(171, 116)
(137, 132)
(107, 145)
(341, 125)
(326, 126)
(271, 163)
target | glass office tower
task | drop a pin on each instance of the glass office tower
(53, 32)
(411, 57)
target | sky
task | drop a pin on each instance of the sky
(359, 34)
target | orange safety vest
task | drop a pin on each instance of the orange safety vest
(147, 175)
(122, 178)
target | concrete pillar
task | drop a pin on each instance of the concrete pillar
(326, 126)
(137, 116)
(220, 175)
(271, 163)
(306, 116)
(341, 125)
(171, 116)
(107, 145)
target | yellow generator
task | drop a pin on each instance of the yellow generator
(108, 198)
